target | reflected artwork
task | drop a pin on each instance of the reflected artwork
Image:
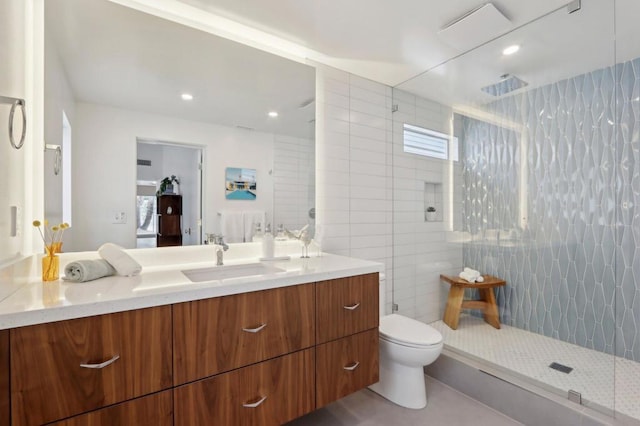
(240, 184)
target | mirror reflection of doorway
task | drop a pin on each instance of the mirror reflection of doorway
(157, 160)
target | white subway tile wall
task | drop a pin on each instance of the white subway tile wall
(293, 181)
(353, 168)
(423, 250)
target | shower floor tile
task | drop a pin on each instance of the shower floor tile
(528, 355)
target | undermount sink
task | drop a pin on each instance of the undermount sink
(230, 271)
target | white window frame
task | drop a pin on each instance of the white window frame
(427, 146)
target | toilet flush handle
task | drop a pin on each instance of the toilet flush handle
(352, 307)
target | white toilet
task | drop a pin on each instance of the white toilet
(406, 346)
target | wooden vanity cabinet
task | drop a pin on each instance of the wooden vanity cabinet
(346, 306)
(215, 335)
(152, 410)
(5, 390)
(65, 368)
(268, 393)
(346, 365)
(347, 317)
(257, 358)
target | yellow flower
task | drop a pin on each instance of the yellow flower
(55, 229)
(36, 223)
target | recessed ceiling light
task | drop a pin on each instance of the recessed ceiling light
(273, 114)
(511, 50)
(187, 97)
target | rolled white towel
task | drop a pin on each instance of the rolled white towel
(468, 277)
(87, 270)
(472, 272)
(121, 261)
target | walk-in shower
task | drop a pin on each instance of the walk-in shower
(541, 187)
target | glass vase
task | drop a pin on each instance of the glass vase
(50, 267)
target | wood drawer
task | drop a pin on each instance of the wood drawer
(209, 337)
(152, 410)
(346, 306)
(5, 391)
(287, 383)
(336, 376)
(48, 382)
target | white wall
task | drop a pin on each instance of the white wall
(104, 168)
(293, 181)
(58, 97)
(155, 154)
(12, 162)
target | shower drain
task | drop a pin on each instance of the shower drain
(563, 368)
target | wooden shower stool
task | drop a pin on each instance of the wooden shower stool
(486, 303)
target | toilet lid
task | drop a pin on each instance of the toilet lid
(407, 331)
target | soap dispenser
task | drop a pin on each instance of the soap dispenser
(267, 243)
(257, 236)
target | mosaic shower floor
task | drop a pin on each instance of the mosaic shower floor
(528, 355)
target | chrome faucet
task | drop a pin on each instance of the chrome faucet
(218, 240)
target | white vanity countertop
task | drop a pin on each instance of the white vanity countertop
(162, 282)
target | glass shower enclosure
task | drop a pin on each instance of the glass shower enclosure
(540, 186)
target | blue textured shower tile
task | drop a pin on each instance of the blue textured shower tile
(629, 331)
(599, 303)
(589, 320)
(581, 334)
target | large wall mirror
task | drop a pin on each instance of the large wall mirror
(116, 124)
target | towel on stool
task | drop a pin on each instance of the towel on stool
(119, 259)
(87, 270)
(471, 275)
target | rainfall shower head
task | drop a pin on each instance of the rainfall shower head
(508, 83)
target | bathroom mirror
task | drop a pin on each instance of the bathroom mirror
(115, 77)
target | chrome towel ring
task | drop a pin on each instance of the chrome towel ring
(57, 162)
(15, 102)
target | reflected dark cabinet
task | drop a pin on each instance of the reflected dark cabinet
(169, 221)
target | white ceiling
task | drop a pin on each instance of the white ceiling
(553, 48)
(120, 57)
(385, 41)
(116, 54)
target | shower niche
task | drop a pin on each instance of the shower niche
(433, 202)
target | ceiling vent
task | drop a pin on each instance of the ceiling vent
(475, 27)
(144, 162)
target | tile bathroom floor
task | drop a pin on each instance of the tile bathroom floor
(527, 355)
(446, 407)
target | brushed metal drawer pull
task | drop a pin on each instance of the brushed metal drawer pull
(352, 307)
(254, 404)
(102, 364)
(255, 330)
(352, 367)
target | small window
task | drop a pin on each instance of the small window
(429, 143)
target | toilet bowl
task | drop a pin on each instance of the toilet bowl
(406, 346)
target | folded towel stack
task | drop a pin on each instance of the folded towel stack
(119, 259)
(471, 275)
(87, 270)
